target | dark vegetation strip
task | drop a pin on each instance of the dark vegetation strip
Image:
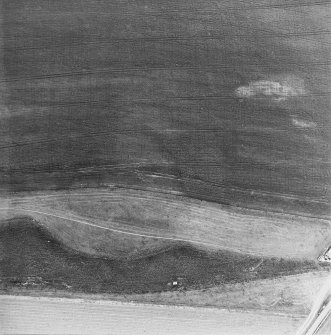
(32, 259)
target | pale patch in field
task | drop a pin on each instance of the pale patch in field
(303, 123)
(277, 90)
(4, 111)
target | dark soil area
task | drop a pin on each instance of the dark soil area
(31, 258)
(118, 92)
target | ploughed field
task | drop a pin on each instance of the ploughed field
(221, 101)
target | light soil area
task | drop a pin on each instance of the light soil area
(131, 223)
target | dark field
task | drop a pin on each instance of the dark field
(32, 259)
(141, 94)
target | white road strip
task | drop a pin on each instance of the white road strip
(31, 315)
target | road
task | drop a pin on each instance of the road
(30, 315)
(318, 320)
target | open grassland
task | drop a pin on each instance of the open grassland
(122, 223)
(290, 294)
